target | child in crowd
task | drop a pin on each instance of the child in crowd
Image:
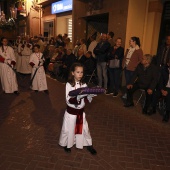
(38, 77)
(75, 127)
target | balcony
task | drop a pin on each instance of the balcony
(46, 2)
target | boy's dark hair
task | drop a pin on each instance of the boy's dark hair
(111, 34)
(71, 79)
(37, 45)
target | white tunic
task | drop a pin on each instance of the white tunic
(39, 83)
(26, 51)
(7, 75)
(18, 64)
(68, 137)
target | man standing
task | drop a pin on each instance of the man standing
(163, 55)
(110, 36)
(101, 52)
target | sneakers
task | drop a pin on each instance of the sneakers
(124, 96)
(108, 92)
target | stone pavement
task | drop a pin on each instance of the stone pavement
(125, 139)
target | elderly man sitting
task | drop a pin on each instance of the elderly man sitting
(145, 77)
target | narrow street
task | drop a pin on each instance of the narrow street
(124, 138)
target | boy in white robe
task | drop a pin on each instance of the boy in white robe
(39, 82)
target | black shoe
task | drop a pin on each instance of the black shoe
(46, 91)
(91, 150)
(68, 150)
(144, 111)
(166, 117)
(129, 104)
(115, 94)
(16, 92)
(108, 92)
(151, 111)
(36, 91)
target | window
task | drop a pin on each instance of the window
(69, 28)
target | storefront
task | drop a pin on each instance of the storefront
(56, 18)
(63, 11)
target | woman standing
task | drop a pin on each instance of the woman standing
(115, 67)
(7, 63)
(132, 58)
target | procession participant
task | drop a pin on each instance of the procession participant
(26, 51)
(38, 76)
(75, 127)
(7, 62)
(18, 44)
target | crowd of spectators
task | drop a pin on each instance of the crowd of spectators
(108, 59)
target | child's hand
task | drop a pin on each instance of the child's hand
(81, 96)
(92, 95)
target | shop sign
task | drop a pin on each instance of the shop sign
(61, 6)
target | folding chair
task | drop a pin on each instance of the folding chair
(141, 95)
(91, 76)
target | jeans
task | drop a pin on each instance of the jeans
(128, 76)
(115, 79)
(102, 73)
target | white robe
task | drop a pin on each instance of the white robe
(7, 75)
(39, 83)
(25, 68)
(18, 64)
(68, 137)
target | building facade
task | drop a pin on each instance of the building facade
(126, 18)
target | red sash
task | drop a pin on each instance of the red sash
(79, 120)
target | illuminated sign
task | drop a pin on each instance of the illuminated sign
(61, 6)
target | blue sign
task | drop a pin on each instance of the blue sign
(61, 6)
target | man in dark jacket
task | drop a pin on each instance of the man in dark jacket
(68, 60)
(163, 55)
(164, 85)
(101, 53)
(145, 77)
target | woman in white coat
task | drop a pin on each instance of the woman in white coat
(7, 63)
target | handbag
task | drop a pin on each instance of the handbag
(115, 63)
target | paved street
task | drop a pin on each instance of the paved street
(125, 139)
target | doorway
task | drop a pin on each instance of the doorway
(97, 23)
(49, 29)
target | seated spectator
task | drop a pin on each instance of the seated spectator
(145, 77)
(165, 89)
(68, 44)
(59, 41)
(68, 60)
(89, 64)
(83, 46)
(81, 57)
(76, 48)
